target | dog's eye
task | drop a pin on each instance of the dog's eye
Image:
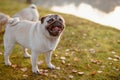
(60, 20)
(51, 20)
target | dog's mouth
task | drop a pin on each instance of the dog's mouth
(55, 28)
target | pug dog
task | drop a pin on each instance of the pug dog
(39, 37)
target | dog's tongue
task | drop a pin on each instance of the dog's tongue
(57, 29)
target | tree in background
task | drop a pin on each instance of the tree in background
(29, 1)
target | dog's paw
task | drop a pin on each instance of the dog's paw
(8, 63)
(51, 66)
(36, 71)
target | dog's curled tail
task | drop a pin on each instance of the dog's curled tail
(5, 19)
(33, 6)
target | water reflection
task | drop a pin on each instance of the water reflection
(86, 11)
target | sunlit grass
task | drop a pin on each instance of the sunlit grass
(80, 36)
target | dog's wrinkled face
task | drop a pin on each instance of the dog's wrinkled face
(54, 24)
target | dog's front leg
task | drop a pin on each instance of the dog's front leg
(48, 60)
(34, 59)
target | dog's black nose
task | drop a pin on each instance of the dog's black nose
(56, 23)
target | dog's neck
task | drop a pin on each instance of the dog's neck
(51, 40)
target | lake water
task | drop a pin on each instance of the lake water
(86, 11)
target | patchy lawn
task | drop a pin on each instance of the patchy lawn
(87, 51)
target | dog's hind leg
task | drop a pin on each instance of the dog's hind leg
(8, 49)
(25, 52)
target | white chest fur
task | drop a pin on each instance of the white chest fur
(38, 40)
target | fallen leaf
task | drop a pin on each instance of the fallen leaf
(45, 71)
(14, 66)
(74, 71)
(63, 62)
(45, 74)
(83, 37)
(94, 39)
(92, 51)
(118, 41)
(67, 50)
(109, 58)
(115, 68)
(66, 53)
(113, 52)
(93, 73)
(73, 33)
(95, 61)
(62, 58)
(116, 56)
(85, 50)
(81, 73)
(53, 76)
(115, 60)
(76, 59)
(88, 66)
(58, 68)
(55, 55)
(68, 64)
(76, 49)
(71, 76)
(23, 69)
(103, 67)
(85, 34)
(97, 45)
(99, 72)
(41, 70)
(25, 76)
(41, 73)
(110, 63)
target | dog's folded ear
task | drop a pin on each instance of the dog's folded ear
(42, 19)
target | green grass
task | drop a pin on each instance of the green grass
(79, 37)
